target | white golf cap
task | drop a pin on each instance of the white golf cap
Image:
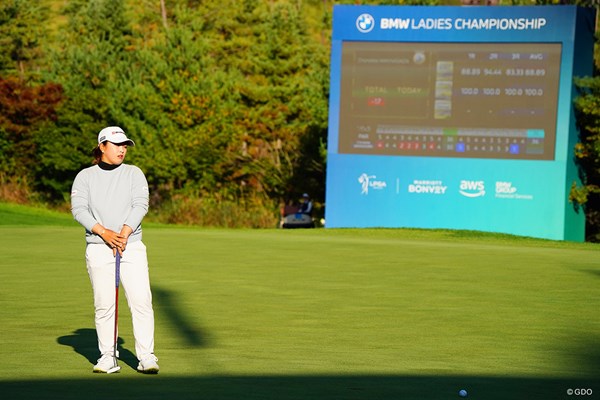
(114, 134)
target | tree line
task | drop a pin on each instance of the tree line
(227, 101)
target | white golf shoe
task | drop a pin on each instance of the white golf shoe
(148, 365)
(107, 364)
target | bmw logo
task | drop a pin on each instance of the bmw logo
(365, 23)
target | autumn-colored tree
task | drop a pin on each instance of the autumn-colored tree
(22, 109)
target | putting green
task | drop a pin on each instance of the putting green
(349, 314)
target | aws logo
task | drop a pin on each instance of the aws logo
(472, 188)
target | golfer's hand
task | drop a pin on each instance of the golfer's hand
(115, 241)
(122, 238)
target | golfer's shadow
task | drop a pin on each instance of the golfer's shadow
(85, 342)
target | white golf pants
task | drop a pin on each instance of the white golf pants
(135, 281)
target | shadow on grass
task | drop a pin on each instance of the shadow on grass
(583, 352)
(132, 386)
(317, 387)
(167, 305)
(85, 342)
(593, 272)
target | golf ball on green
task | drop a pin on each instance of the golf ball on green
(462, 393)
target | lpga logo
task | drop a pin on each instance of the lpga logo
(369, 181)
(365, 23)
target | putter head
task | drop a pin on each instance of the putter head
(116, 368)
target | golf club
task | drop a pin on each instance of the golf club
(117, 278)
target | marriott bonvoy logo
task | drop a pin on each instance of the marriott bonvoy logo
(370, 182)
(427, 187)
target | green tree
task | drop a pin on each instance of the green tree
(91, 52)
(281, 94)
(22, 32)
(587, 153)
(219, 99)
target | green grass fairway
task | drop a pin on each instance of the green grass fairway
(307, 314)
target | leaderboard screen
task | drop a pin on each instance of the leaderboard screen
(471, 100)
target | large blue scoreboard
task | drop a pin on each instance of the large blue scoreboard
(456, 118)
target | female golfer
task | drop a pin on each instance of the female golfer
(110, 199)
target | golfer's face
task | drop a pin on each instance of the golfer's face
(113, 154)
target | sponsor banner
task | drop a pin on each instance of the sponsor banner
(535, 22)
(456, 118)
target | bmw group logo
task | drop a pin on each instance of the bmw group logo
(365, 23)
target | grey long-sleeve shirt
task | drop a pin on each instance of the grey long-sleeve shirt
(112, 198)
